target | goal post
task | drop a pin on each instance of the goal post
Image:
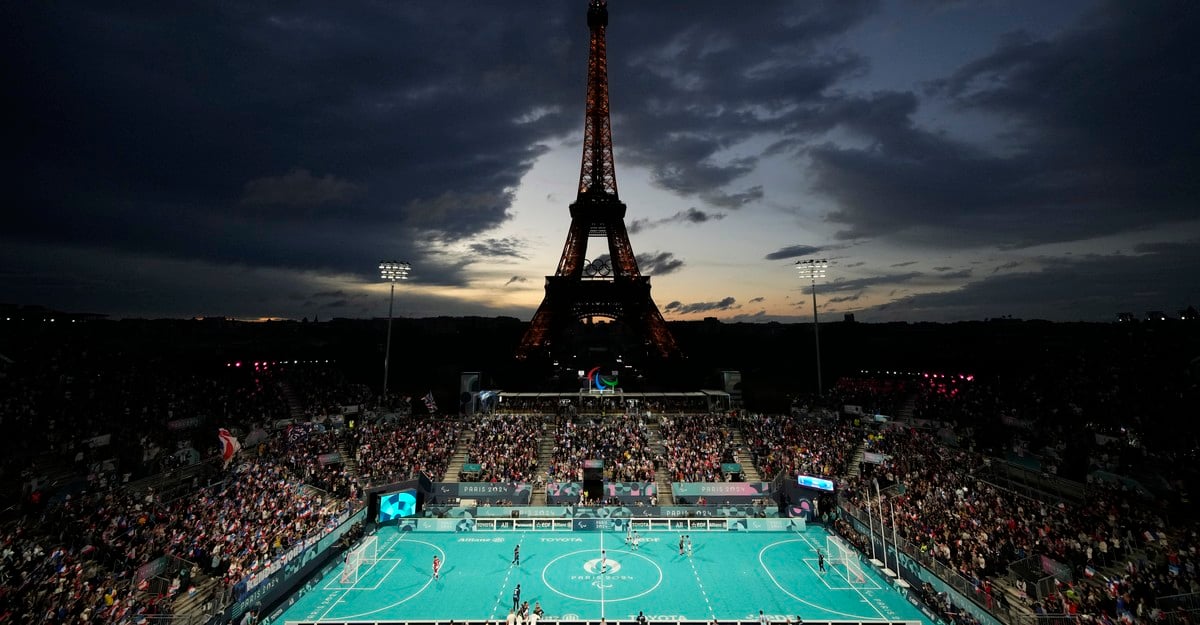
(369, 548)
(844, 557)
(365, 552)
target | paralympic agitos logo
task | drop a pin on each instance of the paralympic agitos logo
(601, 382)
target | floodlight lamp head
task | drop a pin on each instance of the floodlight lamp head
(812, 269)
(394, 270)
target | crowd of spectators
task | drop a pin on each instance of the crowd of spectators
(619, 441)
(978, 529)
(323, 391)
(506, 448)
(872, 394)
(1067, 413)
(311, 451)
(240, 526)
(75, 561)
(695, 446)
(607, 404)
(48, 580)
(400, 449)
(120, 419)
(72, 554)
(84, 424)
(799, 446)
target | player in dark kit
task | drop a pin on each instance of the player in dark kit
(517, 598)
(517, 555)
(821, 561)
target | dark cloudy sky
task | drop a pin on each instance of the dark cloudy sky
(953, 159)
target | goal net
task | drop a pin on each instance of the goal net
(844, 558)
(364, 552)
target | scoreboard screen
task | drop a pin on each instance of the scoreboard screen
(396, 505)
(817, 483)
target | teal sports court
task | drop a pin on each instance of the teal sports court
(731, 575)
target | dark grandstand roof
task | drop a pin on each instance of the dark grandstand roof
(576, 394)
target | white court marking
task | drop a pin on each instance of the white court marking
(602, 600)
(860, 594)
(394, 604)
(849, 586)
(335, 582)
(810, 604)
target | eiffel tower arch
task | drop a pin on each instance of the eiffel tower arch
(609, 285)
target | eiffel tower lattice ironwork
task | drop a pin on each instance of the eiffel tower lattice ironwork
(611, 285)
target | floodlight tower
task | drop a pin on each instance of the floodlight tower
(391, 270)
(811, 270)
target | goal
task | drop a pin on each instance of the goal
(844, 558)
(364, 552)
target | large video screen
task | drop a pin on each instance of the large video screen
(818, 483)
(397, 505)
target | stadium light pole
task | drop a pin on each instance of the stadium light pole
(391, 270)
(895, 538)
(871, 526)
(811, 270)
(879, 504)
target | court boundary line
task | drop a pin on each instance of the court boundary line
(378, 567)
(603, 565)
(849, 586)
(386, 548)
(860, 593)
(347, 591)
(824, 578)
(504, 584)
(767, 569)
(334, 582)
(696, 572)
(552, 588)
(420, 590)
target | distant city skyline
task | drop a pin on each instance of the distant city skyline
(954, 160)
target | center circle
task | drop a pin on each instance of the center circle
(619, 581)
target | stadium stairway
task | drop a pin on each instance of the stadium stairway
(1018, 604)
(459, 458)
(743, 455)
(545, 459)
(908, 408)
(855, 467)
(349, 461)
(52, 472)
(661, 478)
(295, 408)
(197, 607)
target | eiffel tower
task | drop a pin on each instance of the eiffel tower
(609, 286)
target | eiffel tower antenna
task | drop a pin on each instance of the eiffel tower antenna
(610, 285)
(597, 174)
